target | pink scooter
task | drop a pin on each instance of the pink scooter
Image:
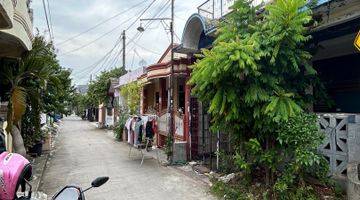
(16, 171)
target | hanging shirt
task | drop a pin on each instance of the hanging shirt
(138, 131)
(149, 129)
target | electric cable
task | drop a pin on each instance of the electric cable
(159, 12)
(50, 19)
(47, 19)
(101, 23)
(107, 33)
(136, 36)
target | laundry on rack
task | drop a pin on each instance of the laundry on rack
(138, 131)
(128, 129)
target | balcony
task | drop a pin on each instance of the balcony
(6, 13)
(216, 9)
(15, 28)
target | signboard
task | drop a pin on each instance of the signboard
(357, 41)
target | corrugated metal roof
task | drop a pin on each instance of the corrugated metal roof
(131, 76)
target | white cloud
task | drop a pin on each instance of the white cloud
(71, 17)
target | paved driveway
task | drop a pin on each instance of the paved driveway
(84, 153)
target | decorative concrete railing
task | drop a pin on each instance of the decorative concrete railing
(342, 148)
(353, 185)
(216, 9)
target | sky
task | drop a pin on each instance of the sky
(69, 18)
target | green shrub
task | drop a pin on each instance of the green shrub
(120, 125)
(225, 191)
(299, 139)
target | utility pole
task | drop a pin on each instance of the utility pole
(124, 49)
(170, 108)
(171, 84)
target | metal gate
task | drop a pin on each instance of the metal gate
(194, 126)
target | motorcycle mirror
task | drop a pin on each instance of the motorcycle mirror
(99, 181)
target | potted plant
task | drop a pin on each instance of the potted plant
(31, 132)
(35, 147)
(119, 128)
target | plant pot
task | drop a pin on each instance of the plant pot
(47, 143)
(36, 149)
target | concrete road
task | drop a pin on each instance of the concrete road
(84, 152)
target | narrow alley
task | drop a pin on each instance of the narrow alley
(84, 152)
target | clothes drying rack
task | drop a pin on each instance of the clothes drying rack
(144, 150)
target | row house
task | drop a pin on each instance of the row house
(125, 79)
(155, 99)
(107, 110)
(16, 24)
(16, 35)
(335, 58)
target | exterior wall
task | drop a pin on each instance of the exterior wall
(341, 148)
(334, 12)
(164, 70)
(109, 117)
(6, 13)
(18, 38)
(102, 114)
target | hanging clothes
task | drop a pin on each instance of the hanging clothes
(132, 129)
(149, 129)
(128, 129)
(138, 131)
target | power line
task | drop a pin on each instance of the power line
(107, 33)
(107, 55)
(105, 59)
(140, 15)
(159, 12)
(115, 59)
(94, 65)
(116, 55)
(50, 18)
(101, 23)
(47, 19)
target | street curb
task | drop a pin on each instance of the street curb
(36, 188)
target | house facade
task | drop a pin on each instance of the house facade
(335, 58)
(155, 99)
(125, 79)
(16, 35)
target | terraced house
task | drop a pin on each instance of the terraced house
(336, 59)
(15, 27)
(16, 35)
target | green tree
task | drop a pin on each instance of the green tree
(256, 77)
(58, 95)
(132, 94)
(35, 65)
(26, 80)
(98, 89)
